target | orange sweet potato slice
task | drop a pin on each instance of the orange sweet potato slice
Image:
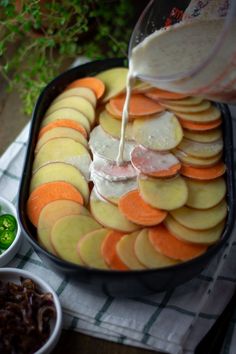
(109, 253)
(95, 84)
(203, 173)
(156, 94)
(199, 126)
(68, 123)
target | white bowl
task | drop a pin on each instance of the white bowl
(13, 275)
(9, 253)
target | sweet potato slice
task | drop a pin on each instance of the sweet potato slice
(89, 248)
(167, 244)
(67, 123)
(109, 215)
(77, 102)
(60, 171)
(125, 250)
(136, 210)
(59, 150)
(112, 126)
(114, 80)
(203, 174)
(167, 194)
(162, 132)
(154, 163)
(67, 232)
(84, 92)
(47, 193)
(199, 126)
(205, 194)
(139, 105)
(157, 94)
(204, 237)
(70, 114)
(93, 83)
(109, 252)
(148, 255)
(61, 132)
(50, 214)
(200, 219)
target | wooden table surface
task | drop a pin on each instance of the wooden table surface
(12, 121)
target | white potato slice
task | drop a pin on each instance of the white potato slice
(210, 115)
(50, 214)
(201, 150)
(112, 171)
(68, 113)
(77, 102)
(125, 251)
(203, 137)
(89, 248)
(79, 91)
(205, 194)
(60, 171)
(187, 101)
(166, 194)
(203, 237)
(197, 161)
(113, 190)
(161, 132)
(200, 219)
(67, 232)
(114, 80)
(60, 150)
(202, 106)
(109, 215)
(112, 126)
(107, 147)
(61, 132)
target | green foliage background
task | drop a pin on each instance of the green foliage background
(37, 37)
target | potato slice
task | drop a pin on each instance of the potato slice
(112, 171)
(203, 137)
(109, 215)
(203, 237)
(147, 255)
(202, 106)
(85, 92)
(60, 171)
(113, 190)
(60, 150)
(112, 126)
(187, 101)
(205, 194)
(167, 194)
(209, 115)
(50, 214)
(77, 102)
(67, 113)
(200, 219)
(67, 232)
(197, 161)
(114, 80)
(125, 250)
(61, 132)
(106, 147)
(89, 248)
(201, 150)
(161, 132)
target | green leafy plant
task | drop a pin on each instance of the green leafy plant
(37, 37)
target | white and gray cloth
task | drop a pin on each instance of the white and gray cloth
(172, 322)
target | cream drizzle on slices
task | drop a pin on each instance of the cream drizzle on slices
(110, 170)
(161, 132)
(113, 190)
(107, 147)
(154, 163)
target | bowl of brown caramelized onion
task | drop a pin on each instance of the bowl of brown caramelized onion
(30, 313)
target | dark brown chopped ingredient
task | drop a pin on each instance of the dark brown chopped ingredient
(25, 315)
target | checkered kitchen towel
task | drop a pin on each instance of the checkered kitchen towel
(173, 321)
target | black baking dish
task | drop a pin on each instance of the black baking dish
(118, 283)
